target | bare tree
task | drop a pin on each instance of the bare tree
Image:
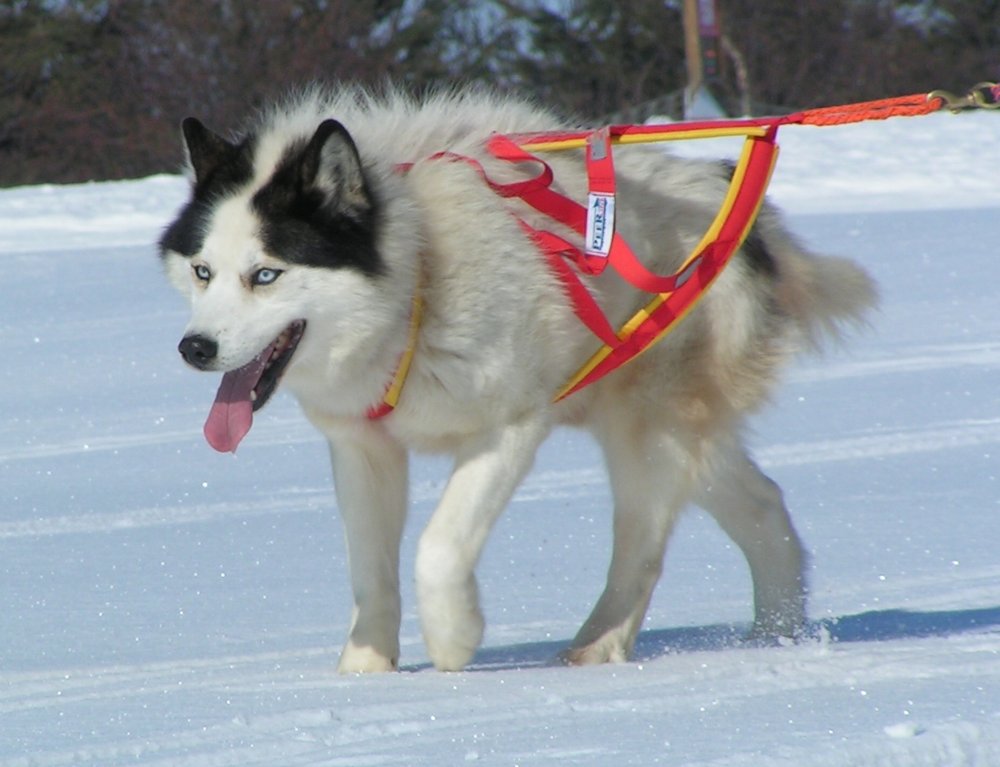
(96, 88)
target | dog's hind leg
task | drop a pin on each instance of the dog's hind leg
(370, 476)
(487, 471)
(651, 480)
(750, 509)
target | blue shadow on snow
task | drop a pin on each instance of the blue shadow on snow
(872, 626)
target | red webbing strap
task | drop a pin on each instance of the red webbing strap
(555, 248)
(539, 195)
(510, 189)
(585, 307)
(699, 272)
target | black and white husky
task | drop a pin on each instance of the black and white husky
(302, 249)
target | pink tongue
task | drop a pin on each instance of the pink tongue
(231, 415)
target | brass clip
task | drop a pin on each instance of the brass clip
(984, 95)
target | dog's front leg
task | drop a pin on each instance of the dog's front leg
(370, 475)
(487, 471)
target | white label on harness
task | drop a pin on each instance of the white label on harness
(600, 223)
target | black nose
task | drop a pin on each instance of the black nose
(198, 351)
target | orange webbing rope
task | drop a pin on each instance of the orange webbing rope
(880, 109)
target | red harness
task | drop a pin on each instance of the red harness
(674, 295)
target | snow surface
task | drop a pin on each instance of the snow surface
(164, 605)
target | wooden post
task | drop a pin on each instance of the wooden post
(692, 49)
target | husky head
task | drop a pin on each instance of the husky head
(262, 249)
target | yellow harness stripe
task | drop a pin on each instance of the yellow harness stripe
(652, 137)
(391, 397)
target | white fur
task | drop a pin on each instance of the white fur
(498, 339)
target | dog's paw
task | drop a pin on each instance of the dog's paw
(786, 624)
(451, 643)
(453, 625)
(357, 659)
(605, 650)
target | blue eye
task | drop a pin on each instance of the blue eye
(202, 272)
(265, 276)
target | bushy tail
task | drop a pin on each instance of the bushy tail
(825, 295)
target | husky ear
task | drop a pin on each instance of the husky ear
(206, 150)
(331, 167)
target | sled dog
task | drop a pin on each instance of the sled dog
(321, 250)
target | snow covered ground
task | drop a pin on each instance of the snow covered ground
(161, 604)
